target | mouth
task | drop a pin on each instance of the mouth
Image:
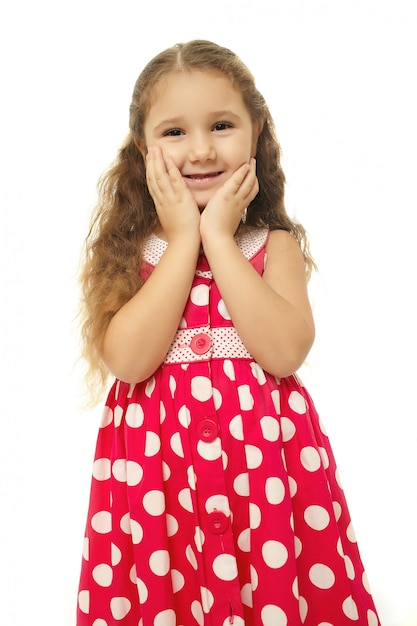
(202, 177)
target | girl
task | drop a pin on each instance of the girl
(215, 498)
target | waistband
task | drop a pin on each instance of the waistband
(204, 343)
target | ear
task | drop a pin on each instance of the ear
(257, 129)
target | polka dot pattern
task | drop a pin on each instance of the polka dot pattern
(215, 495)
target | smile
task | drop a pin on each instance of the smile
(202, 178)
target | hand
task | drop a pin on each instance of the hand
(176, 208)
(224, 210)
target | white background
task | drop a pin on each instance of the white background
(340, 80)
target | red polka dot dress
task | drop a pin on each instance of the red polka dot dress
(215, 498)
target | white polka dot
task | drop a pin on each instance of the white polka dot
(191, 477)
(178, 580)
(241, 484)
(101, 522)
(276, 400)
(184, 416)
(316, 517)
(172, 386)
(125, 524)
(116, 555)
(176, 445)
(107, 417)
(350, 533)
(236, 427)
(298, 546)
(154, 502)
(274, 490)
(199, 538)
(153, 443)
(292, 486)
(350, 609)
(372, 618)
(337, 510)
(287, 428)
(273, 615)
(321, 576)
(207, 599)
(134, 473)
(258, 373)
(184, 498)
(201, 388)
(197, 612)
(142, 590)
(84, 601)
(100, 622)
(246, 595)
(270, 428)
(217, 398)
(224, 566)
(254, 515)
(350, 570)
(365, 582)
(132, 574)
(218, 502)
(118, 414)
(225, 460)
(166, 471)
(297, 402)
(243, 540)
(119, 470)
(310, 459)
(295, 588)
(325, 624)
(191, 558)
(339, 548)
(199, 295)
(162, 412)
(159, 562)
(303, 606)
(150, 387)
(253, 456)
(102, 469)
(172, 525)
(86, 548)
(210, 451)
(237, 621)
(103, 575)
(221, 307)
(246, 401)
(119, 607)
(324, 457)
(254, 579)
(274, 553)
(229, 370)
(165, 618)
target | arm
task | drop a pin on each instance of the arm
(140, 333)
(272, 312)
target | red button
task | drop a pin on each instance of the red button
(218, 522)
(201, 343)
(208, 430)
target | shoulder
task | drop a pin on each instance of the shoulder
(283, 251)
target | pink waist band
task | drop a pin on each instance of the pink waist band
(205, 343)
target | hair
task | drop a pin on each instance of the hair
(125, 214)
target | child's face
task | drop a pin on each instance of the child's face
(200, 120)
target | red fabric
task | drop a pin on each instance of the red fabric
(215, 499)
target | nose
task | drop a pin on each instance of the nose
(201, 147)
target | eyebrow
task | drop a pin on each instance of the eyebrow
(176, 121)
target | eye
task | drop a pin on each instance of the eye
(172, 132)
(222, 126)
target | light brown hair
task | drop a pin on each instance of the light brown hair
(125, 214)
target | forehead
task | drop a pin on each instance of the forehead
(178, 92)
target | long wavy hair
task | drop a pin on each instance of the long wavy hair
(125, 213)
